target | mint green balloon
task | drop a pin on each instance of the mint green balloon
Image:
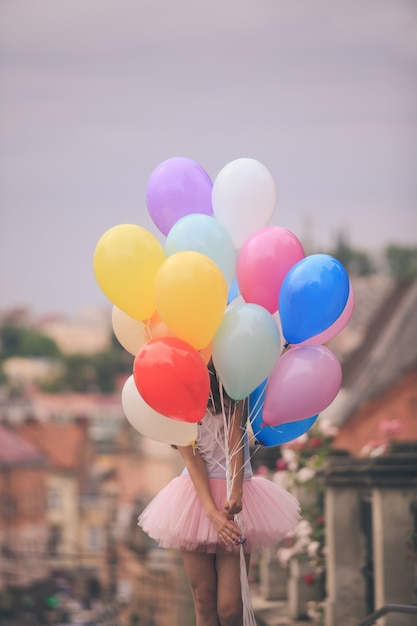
(245, 348)
(204, 234)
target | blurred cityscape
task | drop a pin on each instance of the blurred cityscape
(74, 476)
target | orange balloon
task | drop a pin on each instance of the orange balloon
(206, 353)
(156, 327)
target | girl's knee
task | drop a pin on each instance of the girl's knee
(205, 601)
(230, 614)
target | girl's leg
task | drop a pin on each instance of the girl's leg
(229, 589)
(202, 575)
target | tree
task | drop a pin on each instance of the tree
(402, 262)
(356, 262)
(26, 342)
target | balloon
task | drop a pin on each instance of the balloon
(233, 291)
(338, 325)
(126, 260)
(245, 348)
(205, 353)
(269, 436)
(156, 327)
(177, 187)
(150, 423)
(191, 296)
(313, 295)
(304, 382)
(130, 333)
(263, 262)
(243, 198)
(204, 234)
(172, 378)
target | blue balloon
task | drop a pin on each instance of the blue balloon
(233, 291)
(313, 295)
(270, 436)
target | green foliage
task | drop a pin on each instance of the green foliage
(25, 342)
(70, 372)
(356, 262)
(402, 262)
(84, 373)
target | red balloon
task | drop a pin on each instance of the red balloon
(172, 378)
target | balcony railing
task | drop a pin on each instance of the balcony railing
(389, 608)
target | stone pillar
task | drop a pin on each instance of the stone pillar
(346, 602)
(390, 483)
(273, 577)
(394, 569)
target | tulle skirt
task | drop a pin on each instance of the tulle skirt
(175, 518)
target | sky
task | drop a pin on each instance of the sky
(94, 94)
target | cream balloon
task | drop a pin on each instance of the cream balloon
(152, 424)
(130, 333)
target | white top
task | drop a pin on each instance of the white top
(211, 444)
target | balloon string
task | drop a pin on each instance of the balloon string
(248, 613)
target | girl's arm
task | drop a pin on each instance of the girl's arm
(234, 503)
(226, 529)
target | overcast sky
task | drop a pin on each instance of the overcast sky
(96, 93)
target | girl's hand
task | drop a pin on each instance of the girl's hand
(233, 506)
(227, 530)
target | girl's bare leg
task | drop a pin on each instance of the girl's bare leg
(229, 589)
(202, 575)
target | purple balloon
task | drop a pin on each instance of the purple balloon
(177, 187)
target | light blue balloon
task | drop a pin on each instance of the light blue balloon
(270, 436)
(245, 348)
(313, 295)
(204, 234)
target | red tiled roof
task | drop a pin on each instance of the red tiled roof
(15, 450)
(61, 442)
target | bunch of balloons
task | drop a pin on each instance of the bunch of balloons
(224, 286)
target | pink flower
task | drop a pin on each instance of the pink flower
(309, 578)
(281, 465)
(389, 428)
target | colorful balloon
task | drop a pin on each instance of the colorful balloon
(304, 382)
(177, 187)
(152, 424)
(270, 436)
(338, 325)
(172, 378)
(263, 262)
(245, 348)
(243, 198)
(203, 233)
(126, 260)
(130, 333)
(313, 295)
(191, 297)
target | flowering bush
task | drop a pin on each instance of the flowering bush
(298, 471)
(387, 432)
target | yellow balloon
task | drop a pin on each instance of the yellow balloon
(126, 260)
(191, 297)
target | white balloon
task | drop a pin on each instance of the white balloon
(130, 333)
(152, 424)
(243, 198)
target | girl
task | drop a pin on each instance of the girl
(216, 512)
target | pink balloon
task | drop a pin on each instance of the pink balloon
(304, 382)
(263, 262)
(337, 326)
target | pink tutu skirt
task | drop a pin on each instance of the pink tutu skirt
(175, 518)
